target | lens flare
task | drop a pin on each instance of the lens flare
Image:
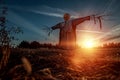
(88, 44)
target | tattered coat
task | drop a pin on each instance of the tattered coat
(67, 35)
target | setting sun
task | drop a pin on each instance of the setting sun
(87, 41)
(88, 44)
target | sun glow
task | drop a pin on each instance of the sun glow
(88, 40)
(88, 44)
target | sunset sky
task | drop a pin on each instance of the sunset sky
(35, 15)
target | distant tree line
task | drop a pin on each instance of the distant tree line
(35, 45)
(111, 45)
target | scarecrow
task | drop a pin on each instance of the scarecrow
(67, 35)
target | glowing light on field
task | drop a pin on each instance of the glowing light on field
(88, 44)
(82, 56)
(88, 40)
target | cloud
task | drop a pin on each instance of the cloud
(47, 10)
(54, 9)
(111, 33)
(112, 38)
(90, 31)
(48, 13)
(114, 33)
(51, 14)
(54, 12)
(19, 20)
(59, 10)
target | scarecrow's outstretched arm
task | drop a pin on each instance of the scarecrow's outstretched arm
(57, 26)
(80, 20)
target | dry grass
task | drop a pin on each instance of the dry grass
(5, 56)
(52, 64)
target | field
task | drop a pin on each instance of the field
(58, 64)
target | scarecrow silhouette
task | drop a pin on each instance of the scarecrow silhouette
(67, 35)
